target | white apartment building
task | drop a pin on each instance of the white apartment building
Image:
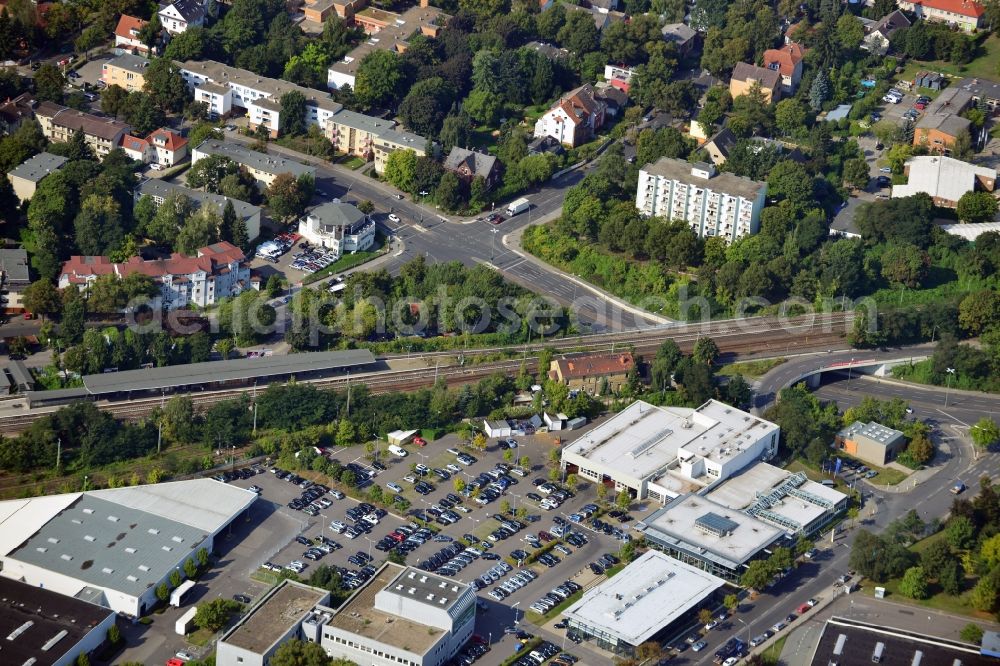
(177, 15)
(713, 204)
(338, 226)
(262, 166)
(218, 271)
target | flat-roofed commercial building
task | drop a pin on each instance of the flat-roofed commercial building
(44, 628)
(115, 546)
(651, 598)
(338, 226)
(849, 642)
(872, 442)
(709, 536)
(277, 617)
(644, 442)
(784, 499)
(401, 617)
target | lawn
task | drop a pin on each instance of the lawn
(750, 369)
(348, 261)
(354, 163)
(985, 66)
(772, 653)
(888, 476)
(940, 601)
(482, 138)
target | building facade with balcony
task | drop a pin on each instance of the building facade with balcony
(339, 227)
(713, 204)
(125, 71)
(59, 123)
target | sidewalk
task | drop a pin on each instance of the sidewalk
(512, 242)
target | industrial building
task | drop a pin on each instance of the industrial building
(709, 536)
(872, 443)
(663, 452)
(650, 599)
(402, 616)
(848, 642)
(44, 628)
(114, 547)
(780, 498)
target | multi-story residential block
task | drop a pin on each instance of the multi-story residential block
(127, 35)
(225, 88)
(787, 61)
(338, 226)
(713, 204)
(575, 118)
(159, 190)
(14, 279)
(218, 271)
(59, 123)
(126, 71)
(965, 14)
(390, 32)
(262, 166)
(25, 177)
(746, 76)
(176, 16)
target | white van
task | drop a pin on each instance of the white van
(397, 451)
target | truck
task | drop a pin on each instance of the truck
(397, 451)
(517, 206)
(185, 623)
(957, 488)
(177, 596)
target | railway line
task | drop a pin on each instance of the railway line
(737, 339)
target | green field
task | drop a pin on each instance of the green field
(987, 65)
(750, 369)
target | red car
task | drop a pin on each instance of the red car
(419, 441)
(396, 536)
(545, 536)
(920, 106)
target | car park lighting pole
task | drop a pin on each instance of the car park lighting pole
(514, 608)
(748, 629)
(369, 547)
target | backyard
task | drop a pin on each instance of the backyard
(986, 65)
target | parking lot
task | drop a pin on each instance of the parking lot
(474, 524)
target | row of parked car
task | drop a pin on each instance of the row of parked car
(543, 653)
(603, 563)
(555, 597)
(311, 260)
(509, 586)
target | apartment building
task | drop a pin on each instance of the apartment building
(218, 271)
(575, 118)
(226, 89)
(262, 166)
(338, 226)
(787, 61)
(965, 14)
(713, 204)
(179, 15)
(159, 190)
(59, 123)
(389, 32)
(125, 71)
(26, 176)
(746, 76)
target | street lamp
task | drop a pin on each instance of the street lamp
(493, 240)
(514, 608)
(951, 371)
(748, 629)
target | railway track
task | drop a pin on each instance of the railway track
(741, 339)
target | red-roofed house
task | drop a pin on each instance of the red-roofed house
(966, 14)
(788, 62)
(589, 371)
(137, 149)
(219, 271)
(169, 147)
(574, 119)
(127, 34)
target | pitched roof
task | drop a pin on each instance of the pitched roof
(724, 141)
(13, 110)
(171, 140)
(951, 124)
(134, 144)
(211, 260)
(768, 78)
(99, 126)
(678, 33)
(479, 164)
(190, 10)
(786, 58)
(580, 102)
(890, 23)
(588, 365)
(960, 7)
(129, 24)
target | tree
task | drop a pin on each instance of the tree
(165, 85)
(199, 230)
(905, 264)
(986, 594)
(378, 79)
(456, 130)
(190, 568)
(288, 196)
(449, 193)
(972, 633)
(300, 653)
(960, 532)
(82, 659)
(143, 112)
(424, 108)
(49, 83)
(42, 298)
(400, 169)
(856, 173)
(213, 615)
(623, 500)
(791, 116)
(705, 351)
(162, 592)
(114, 634)
(979, 310)
(114, 100)
(704, 616)
(98, 225)
(985, 432)
(731, 602)
(974, 207)
(482, 106)
(914, 583)
(175, 578)
(293, 113)
(879, 558)
(819, 92)
(757, 575)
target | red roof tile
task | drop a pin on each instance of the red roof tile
(594, 365)
(786, 58)
(961, 7)
(172, 141)
(126, 24)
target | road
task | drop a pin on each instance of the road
(441, 238)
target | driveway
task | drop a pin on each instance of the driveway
(90, 71)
